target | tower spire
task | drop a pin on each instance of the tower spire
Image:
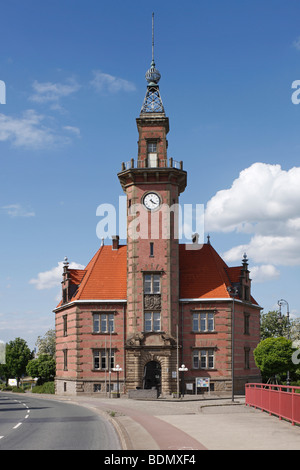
(153, 39)
(152, 102)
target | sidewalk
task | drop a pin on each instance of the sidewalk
(193, 424)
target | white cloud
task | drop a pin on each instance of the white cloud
(296, 43)
(264, 202)
(74, 130)
(263, 273)
(17, 210)
(29, 131)
(53, 92)
(53, 277)
(103, 82)
(282, 251)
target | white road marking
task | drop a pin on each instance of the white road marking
(17, 425)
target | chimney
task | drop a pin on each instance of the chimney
(115, 242)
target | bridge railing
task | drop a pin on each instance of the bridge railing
(279, 400)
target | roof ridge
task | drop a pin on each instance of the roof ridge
(225, 266)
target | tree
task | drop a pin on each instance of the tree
(43, 367)
(273, 356)
(4, 372)
(272, 325)
(46, 344)
(17, 356)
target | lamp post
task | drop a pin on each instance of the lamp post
(182, 369)
(233, 291)
(280, 303)
(117, 369)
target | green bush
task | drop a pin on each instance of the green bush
(18, 390)
(47, 387)
(6, 388)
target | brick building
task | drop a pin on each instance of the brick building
(155, 304)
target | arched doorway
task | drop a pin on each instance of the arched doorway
(152, 375)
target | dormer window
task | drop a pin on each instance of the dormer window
(152, 154)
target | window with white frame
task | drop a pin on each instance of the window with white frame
(203, 321)
(203, 358)
(152, 284)
(103, 323)
(103, 358)
(152, 154)
(152, 321)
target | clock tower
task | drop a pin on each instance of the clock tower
(152, 184)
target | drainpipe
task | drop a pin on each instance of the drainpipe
(124, 348)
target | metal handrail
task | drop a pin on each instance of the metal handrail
(143, 164)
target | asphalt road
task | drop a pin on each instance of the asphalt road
(28, 423)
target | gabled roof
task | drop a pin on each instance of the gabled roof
(203, 275)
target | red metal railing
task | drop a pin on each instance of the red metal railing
(280, 400)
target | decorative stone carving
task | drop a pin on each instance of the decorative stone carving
(135, 340)
(152, 302)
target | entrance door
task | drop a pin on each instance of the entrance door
(152, 375)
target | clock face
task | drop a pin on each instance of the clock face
(151, 201)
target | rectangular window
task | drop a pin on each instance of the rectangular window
(101, 359)
(152, 147)
(152, 154)
(196, 359)
(203, 322)
(247, 358)
(65, 352)
(246, 324)
(152, 321)
(65, 325)
(103, 323)
(203, 359)
(151, 249)
(152, 284)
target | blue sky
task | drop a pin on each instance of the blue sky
(74, 75)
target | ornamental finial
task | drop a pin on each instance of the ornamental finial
(152, 75)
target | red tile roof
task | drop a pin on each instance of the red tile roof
(203, 275)
(105, 277)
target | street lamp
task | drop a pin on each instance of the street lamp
(233, 291)
(117, 369)
(280, 303)
(182, 369)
